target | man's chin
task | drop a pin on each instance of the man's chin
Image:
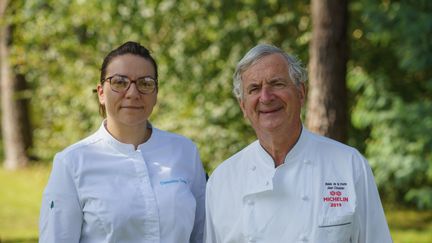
(270, 125)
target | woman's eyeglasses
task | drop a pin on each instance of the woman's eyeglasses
(120, 84)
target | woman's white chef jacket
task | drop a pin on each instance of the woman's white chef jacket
(324, 192)
(102, 190)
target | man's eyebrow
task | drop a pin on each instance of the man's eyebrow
(277, 79)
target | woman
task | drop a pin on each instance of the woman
(129, 181)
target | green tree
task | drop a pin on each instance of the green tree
(391, 82)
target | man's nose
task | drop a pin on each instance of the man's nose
(266, 94)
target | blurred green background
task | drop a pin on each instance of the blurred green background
(57, 47)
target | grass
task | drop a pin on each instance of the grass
(21, 193)
(409, 226)
(20, 199)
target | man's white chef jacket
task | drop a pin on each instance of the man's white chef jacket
(324, 192)
(101, 190)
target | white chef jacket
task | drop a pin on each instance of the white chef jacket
(324, 192)
(102, 190)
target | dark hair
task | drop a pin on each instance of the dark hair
(129, 47)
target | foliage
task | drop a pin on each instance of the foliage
(392, 83)
(60, 45)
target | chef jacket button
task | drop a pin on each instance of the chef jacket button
(253, 168)
(250, 202)
(267, 183)
(251, 239)
(305, 198)
(306, 161)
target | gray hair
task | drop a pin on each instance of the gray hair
(296, 72)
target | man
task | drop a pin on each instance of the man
(290, 185)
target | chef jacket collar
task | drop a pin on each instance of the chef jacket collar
(260, 165)
(124, 147)
(259, 170)
(299, 146)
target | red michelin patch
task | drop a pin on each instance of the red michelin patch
(335, 194)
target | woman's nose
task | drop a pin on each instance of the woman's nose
(132, 91)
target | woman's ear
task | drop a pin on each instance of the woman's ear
(101, 94)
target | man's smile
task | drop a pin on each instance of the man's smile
(269, 111)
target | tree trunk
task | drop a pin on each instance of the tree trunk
(15, 119)
(327, 99)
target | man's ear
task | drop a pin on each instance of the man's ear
(302, 93)
(242, 107)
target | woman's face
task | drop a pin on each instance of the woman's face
(129, 108)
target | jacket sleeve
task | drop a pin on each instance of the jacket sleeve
(61, 215)
(372, 223)
(198, 189)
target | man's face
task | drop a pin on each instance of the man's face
(271, 101)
